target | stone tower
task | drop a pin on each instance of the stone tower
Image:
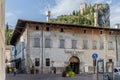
(83, 6)
(47, 15)
(117, 25)
(2, 40)
(96, 16)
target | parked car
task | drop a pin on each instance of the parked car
(117, 71)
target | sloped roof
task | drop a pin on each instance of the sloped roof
(21, 25)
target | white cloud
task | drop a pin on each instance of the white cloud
(15, 13)
(62, 7)
(115, 14)
(12, 17)
(9, 14)
(65, 7)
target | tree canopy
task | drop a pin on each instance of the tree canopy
(8, 34)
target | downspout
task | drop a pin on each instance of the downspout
(116, 50)
(42, 50)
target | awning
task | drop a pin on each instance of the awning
(16, 60)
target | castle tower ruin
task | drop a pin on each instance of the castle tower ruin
(96, 16)
(83, 6)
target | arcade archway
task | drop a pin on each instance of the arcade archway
(74, 64)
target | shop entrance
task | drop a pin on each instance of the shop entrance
(74, 64)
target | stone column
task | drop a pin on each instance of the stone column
(2, 41)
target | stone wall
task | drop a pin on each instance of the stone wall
(2, 41)
(70, 33)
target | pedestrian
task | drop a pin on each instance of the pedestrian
(108, 77)
(14, 71)
(10, 70)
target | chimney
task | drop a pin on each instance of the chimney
(47, 15)
(117, 26)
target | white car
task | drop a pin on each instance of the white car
(117, 71)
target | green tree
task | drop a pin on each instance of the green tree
(74, 12)
(8, 34)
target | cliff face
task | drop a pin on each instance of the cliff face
(87, 18)
(103, 15)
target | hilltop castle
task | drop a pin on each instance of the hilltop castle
(94, 15)
(101, 13)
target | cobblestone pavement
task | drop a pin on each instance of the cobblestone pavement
(47, 77)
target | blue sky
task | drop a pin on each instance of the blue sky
(35, 9)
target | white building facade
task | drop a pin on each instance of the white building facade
(52, 45)
(7, 56)
(2, 41)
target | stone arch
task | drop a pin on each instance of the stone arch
(74, 59)
(74, 64)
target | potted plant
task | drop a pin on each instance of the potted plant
(32, 69)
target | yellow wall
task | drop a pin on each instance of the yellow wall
(2, 41)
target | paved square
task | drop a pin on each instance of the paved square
(48, 77)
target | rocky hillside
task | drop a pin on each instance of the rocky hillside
(87, 18)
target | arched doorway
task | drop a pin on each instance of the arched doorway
(74, 64)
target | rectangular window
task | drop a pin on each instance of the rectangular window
(110, 33)
(84, 31)
(37, 27)
(47, 43)
(47, 29)
(74, 44)
(101, 32)
(85, 44)
(37, 61)
(101, 45)
(37, 42)
(110, 45)
(62, 43)
(94, 44)
(61, 30)
(47, 61)
(12, 48)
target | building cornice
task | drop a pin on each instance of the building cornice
(21, 26)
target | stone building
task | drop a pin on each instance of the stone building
(101, 14)
(12, 55)
(7, 56)
(117, 26)
(45, 45)
(83, 7)
(2, 41)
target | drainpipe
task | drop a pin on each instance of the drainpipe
(42, 50)
(116, 50)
